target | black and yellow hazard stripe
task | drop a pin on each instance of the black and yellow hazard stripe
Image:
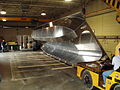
(114, 4)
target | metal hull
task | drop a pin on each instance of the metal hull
(71, 40)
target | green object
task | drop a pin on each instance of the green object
(13, 47)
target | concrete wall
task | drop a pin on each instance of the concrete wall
(10, 34)
(103, 22)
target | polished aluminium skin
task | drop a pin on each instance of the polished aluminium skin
(70, 39)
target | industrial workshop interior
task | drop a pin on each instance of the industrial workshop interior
(59, 44)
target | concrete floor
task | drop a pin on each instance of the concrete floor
(36, 71)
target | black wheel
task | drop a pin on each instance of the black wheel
(87, 79)
(117, 87)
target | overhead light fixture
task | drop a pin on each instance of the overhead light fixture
(3, 12)
(68, 0)
(43, 13)
(4, 20)
(26, 27)
(51, 24)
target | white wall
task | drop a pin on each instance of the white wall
(104, 23)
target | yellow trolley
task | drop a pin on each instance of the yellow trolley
(91, 74)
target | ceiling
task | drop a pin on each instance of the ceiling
(33, 8)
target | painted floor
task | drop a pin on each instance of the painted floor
(28, 70)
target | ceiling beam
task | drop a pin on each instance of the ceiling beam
(47, 5)
(24, 19)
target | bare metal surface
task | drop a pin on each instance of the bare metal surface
(53, 32)
(78, 44)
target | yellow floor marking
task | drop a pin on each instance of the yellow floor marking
(32, 66)
(37, 56)
(40, 59)
(59, 68)
(27, 70)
